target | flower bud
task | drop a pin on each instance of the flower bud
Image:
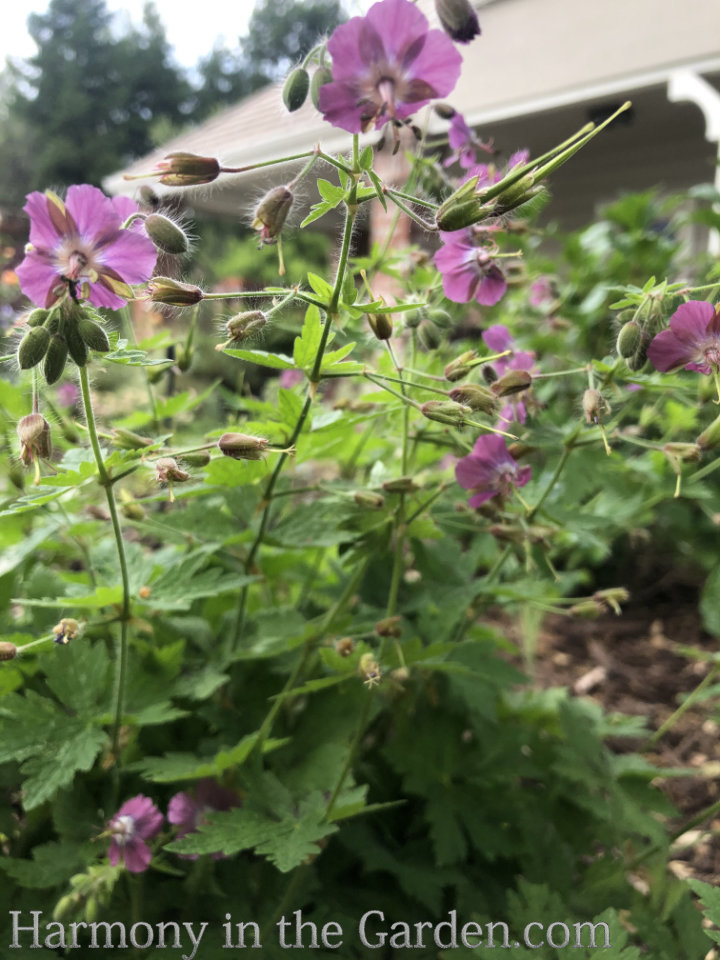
(167, 236)
(460, 367)
(588, 609)
(186, 170)
(595, 406)
(93, 335)
(241, 446)
(462, 209)
(132, 510)
(8, 651)
(55, 358)
(514, 381)
(77, 348)
(244, 325)
(444, 110)
(629, 339)
(489, 374)
(366, 498)
(167, 469)
(679, 453)
(401, 485)
(174, 293)
(33, 348)
(271, 212)
(458, 19)
(370, 670)
(710, 437)
(613, 597)
(475, 397)
(445, 411)
(638, 360)
(201, 458)
(34, 435)
(295, 89)
(381, 325)
(429, 335)
(321, 76)
(345, 646)
(65, 631)
(37, 317)
(389, 627)
(127, 440)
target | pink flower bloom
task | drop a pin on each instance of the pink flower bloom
(68, 394)
(489, 470)
(385, 66)
(80, 248)
(136, 821)
(291, 378)
(692, 341)
(541, 292)
(462, 140)
(499, 339)
(187, 811)
(468, 271)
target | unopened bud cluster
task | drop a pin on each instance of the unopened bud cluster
(68, 330)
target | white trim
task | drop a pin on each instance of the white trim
(619, 86)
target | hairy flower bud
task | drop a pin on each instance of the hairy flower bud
(55, 358)
(8, 651)
(381, 325)
(174, 293)
(166, 234)
(458, 19)
(595, 406)
(77, 348)
(186, 170)
(514, 381)
(475, 397)
(429, 335)
(127, 440)
(366, 498)
(68, 629)
(444, 110)
(345, 646)
(167, 470)
(445, 411)
(33, 348)
(93, 335)
(389, 627)
(271, 212)
(201, 458)
(629, 339)
(244, 325)
(295, 89)
(241, 446)
(401, 485)
(321, 76)
(460, 366)
(37, 317)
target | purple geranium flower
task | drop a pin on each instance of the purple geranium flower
(499, 339)
(468, 271)
(464, 143)
(541, 292)
(385, 66)
(489, 470)
(80, 247)
(136, 821)
(187, 811)
(692, 340)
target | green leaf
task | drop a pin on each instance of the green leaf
(277, 361)
(710, 899)
(173, 767)
(709, 606)
(13, 555)
(329, 192)
(286, 839)
(134, 357)
(366, 158)
(306, 345)
(377, 183)
(316, 211)
(51, 864)
(179, 585)
(321, 287)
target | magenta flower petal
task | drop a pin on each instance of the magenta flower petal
(692, 340)
(386, 65)
(497, 338)
(489, 470)
(82, 250)
(492, 287)
(690, 321)
(136, 821)
(667, 352)
(187, 812)
(458, 265)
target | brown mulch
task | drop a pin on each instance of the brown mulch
(631, 664)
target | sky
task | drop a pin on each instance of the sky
(191, 35)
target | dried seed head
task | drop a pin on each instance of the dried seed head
(244, 325)
(389, 627)
(345, 646)
(186, 170)
(445, 411)
(68, 629)
(366, 498)
(595, 406)
(167, 470)
(34, 435)
(514, 381)
(370, 670)
(271, 213)
(476, 397)
(174, 293)
(460, 367)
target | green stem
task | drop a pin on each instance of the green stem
(362, 721)
(569, 444)
(401, 205)
(684, 706)
(106, 483)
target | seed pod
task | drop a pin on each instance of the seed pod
(55, 359)
(271, 212)
(345, 646)
(167, 236)
(33, 347)
(445, 411)
(77, 348)
(629, 339)
(296, 88)
(167, 469)
(174, 293)
(187, 170)
(475, 397)
(199, 459)
(366, 498)
(8, 651)
(389, 627)
(321, 76)
(127, 440)
(33, 433)
(595, 406)
(243, 325)
(460, 367)
(400, 485)
(93, 335)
